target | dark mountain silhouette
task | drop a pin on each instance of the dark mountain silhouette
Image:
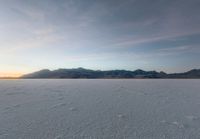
(195, 73)
(93, 74)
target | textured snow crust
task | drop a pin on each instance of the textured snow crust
(99, 109)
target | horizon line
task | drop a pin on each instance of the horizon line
(21, 74)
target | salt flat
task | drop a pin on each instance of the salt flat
(99, 109)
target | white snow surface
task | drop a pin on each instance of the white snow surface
(100, 109)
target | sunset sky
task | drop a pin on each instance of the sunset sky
(162, 35)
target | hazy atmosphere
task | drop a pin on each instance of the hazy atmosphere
(99, 34)
(99, 69)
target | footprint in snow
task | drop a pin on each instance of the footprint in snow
(59, 105)
(121, 116)
(58, 137)
(60, 98)
(73, 109)
(177, 124)
(191, 117)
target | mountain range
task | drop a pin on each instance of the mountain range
(96, 74)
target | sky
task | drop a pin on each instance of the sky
(162, 35)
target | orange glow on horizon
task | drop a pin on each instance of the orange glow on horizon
(10, 74)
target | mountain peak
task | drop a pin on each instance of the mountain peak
(87, 73)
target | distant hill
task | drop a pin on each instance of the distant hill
(195, 73)
(95, 74)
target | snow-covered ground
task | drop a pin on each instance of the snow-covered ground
(99, 109)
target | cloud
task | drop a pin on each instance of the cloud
(39, 40)
(135, 41)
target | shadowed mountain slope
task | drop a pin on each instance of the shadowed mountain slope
(87, 73)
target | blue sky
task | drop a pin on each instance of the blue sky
(162, 35)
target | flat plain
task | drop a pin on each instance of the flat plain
(100, 109)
